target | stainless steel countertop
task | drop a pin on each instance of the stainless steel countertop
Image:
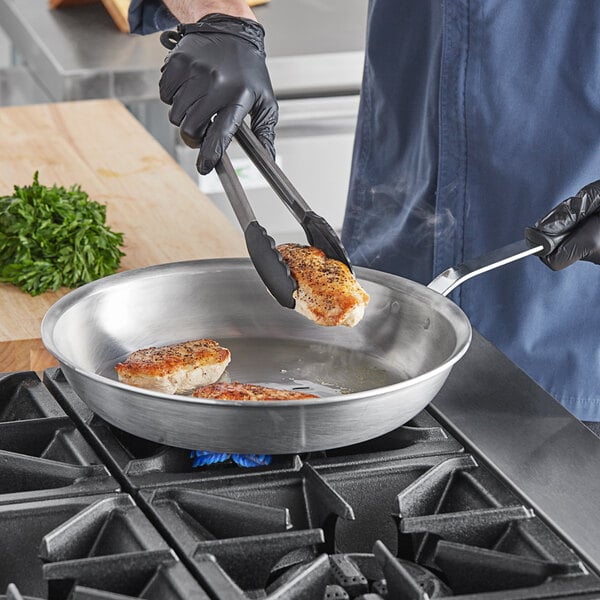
(314, 47)
(526, 436)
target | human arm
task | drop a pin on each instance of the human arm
(190, 11)
(571, 230)
(150, 16)
(215, 75)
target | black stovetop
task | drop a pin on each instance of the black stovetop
(89, 511)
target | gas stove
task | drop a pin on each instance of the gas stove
(437, 508)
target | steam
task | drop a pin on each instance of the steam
(389, 222)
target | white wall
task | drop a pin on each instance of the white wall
(4, 50)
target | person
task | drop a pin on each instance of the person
(475, 119)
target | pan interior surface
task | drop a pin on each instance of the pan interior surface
(311, 367)
(408, 331)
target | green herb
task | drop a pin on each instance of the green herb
(53, 236)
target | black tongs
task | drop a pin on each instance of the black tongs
(261, 246)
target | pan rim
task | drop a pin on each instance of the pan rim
(62, 305)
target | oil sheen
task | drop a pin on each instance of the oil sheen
(313, 367)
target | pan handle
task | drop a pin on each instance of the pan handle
(451, 278)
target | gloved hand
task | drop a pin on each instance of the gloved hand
(213, 77)
(571, 230)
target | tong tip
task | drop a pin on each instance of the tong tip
(269, 264)
(321, 234)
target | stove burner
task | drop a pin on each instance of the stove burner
(201, 458)
(374, 576)
(409, 515)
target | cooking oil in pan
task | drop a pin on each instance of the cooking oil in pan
(312, 367)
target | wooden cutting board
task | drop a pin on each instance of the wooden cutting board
(99, 145)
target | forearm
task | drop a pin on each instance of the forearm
(189, 11)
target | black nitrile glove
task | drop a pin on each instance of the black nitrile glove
(213, 77)
(571, 230)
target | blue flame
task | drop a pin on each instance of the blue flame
(203, 458)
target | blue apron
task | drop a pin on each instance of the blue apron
(476, 118)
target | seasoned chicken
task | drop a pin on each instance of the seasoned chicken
(247, 391)
(327, 292)
(175, 369)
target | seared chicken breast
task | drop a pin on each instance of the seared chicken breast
(247, 391)
(175, 369)
(327, 292)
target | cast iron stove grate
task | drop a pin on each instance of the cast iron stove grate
(387, 519)
(100, 547)
(42, 453)
(412, 528)
(142, 463)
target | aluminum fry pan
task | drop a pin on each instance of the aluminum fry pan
(370, 379)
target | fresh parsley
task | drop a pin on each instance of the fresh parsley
(52, 237)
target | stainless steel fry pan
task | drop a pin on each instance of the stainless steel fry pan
(370, 379)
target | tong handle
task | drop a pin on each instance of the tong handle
(270, 170)
(235, 192)
(319, 232)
